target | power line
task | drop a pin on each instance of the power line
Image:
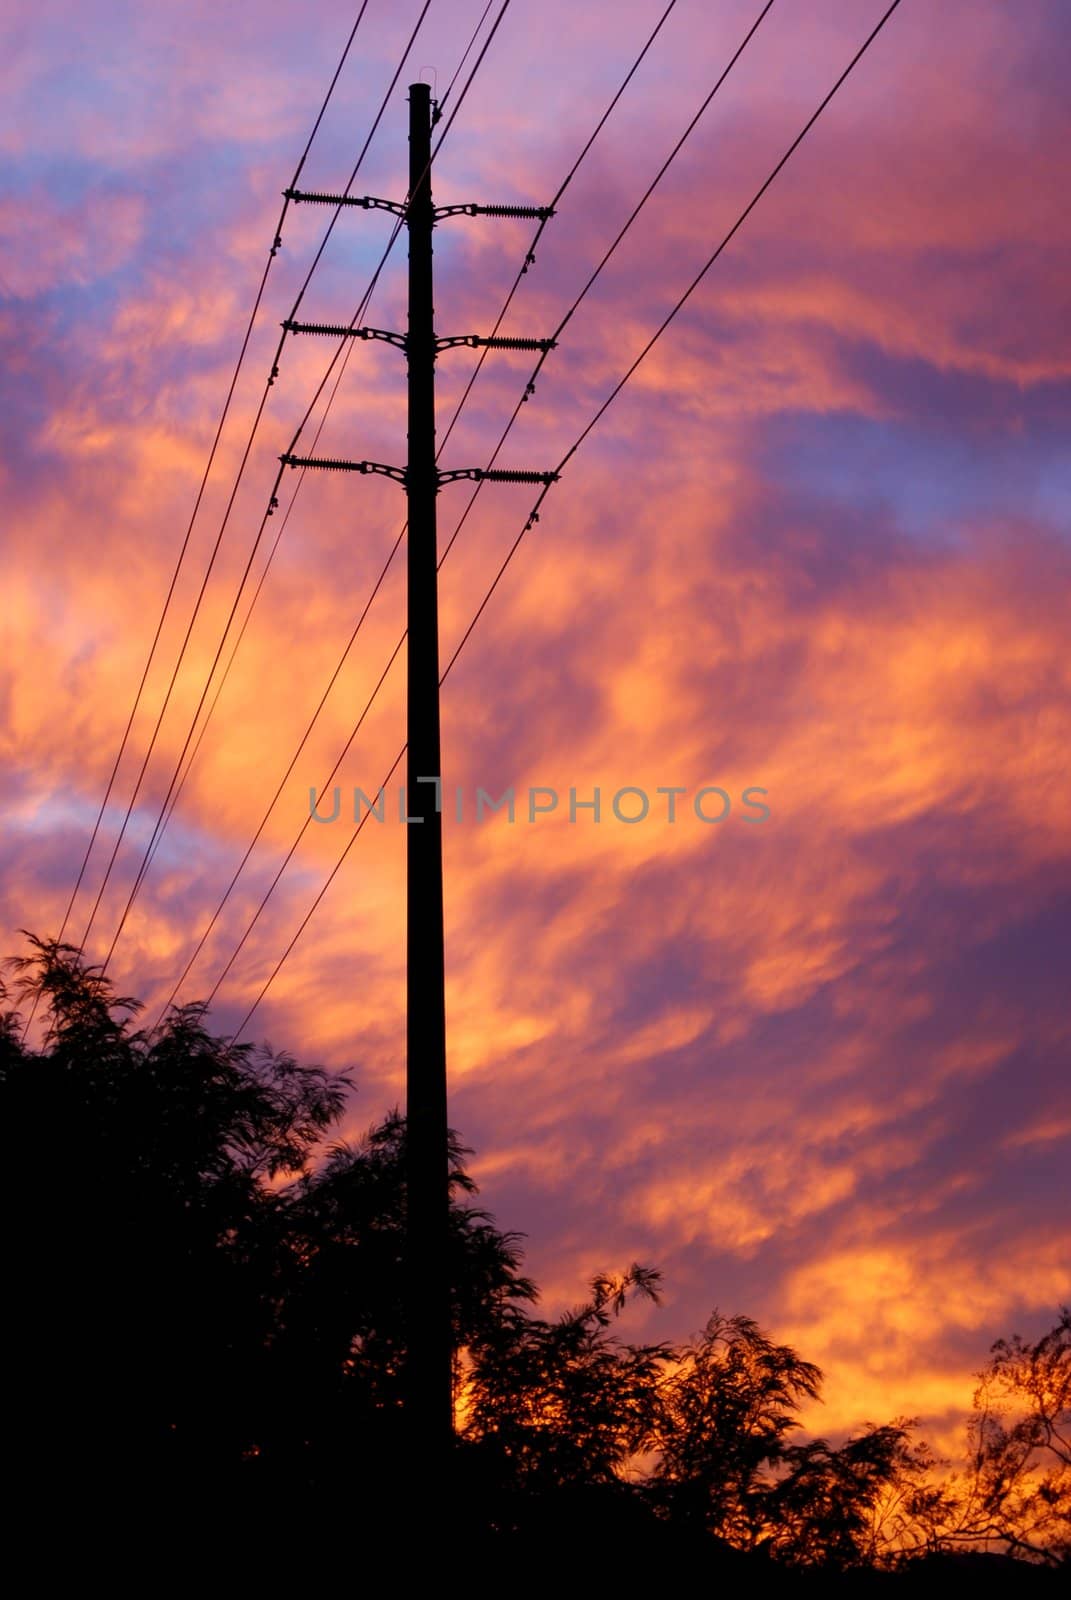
(227, 512)
(533, 515)
(248, 617)
(276, 244)
(256, 544)
(286, 775)
(529, 258)
(593, 277)
(170, 797)
(465, 56)
(301, 477)
(272, 501)
(386, 669)
(527, 261)
(603, 263)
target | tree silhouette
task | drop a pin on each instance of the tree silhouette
(727, 1410)
(209, 1299)
(726, 1463)
(1014, 1493)
(207, 1330)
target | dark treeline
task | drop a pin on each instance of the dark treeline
(204, 1339)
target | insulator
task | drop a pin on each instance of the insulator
(327, 463)
(542, 212)
(511, 475)
(339, 330)
(306, 196)
(497, 342)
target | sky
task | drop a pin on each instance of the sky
(811, 1064)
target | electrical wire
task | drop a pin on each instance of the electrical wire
(301, 475)
(276, 245)
(607, 256)
(273, 501)
(226, 516)
(529, 389)
(527, 261)
(465, 56)
(567, 457)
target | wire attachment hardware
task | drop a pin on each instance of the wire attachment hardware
(543, 213)
(332, 464)
(344, 330)
(474, 341)
(499, 475)
(399, 474)
(366, 202)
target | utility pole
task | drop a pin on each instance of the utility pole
(429, 1377)
(429, 1389)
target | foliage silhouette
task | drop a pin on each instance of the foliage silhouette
(208, 1329)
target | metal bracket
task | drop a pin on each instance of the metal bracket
(330, 465)
(473, 341)
(343, 330)
(399, 474)
(498, 475)
(366, 202)
(542, 212)
(495, 342)
(386, 335)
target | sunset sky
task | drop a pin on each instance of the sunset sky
(814, 1068)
